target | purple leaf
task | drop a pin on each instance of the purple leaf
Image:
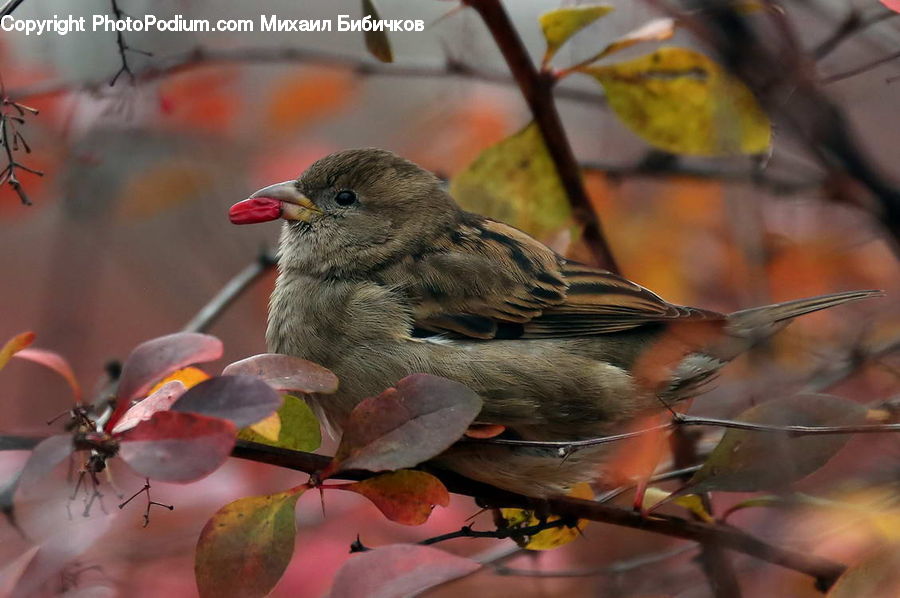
(156, 358)
(161, 400)
(398, 571)
(406, 425)
(45, 457)
(751, 460)
(54, 554)
(177, 447)
(243, 400)
(286, 373)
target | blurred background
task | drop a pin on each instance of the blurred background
(128, 237)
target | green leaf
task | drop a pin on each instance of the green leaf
(300, 430)
(682, 102)
(377, 42)
(752, 461)
(245, 547)
(561, 24)
(406, 496)
(516, 181)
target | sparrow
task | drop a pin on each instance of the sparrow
(382, 275)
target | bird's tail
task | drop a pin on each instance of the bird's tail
(743, 329)
(758, 323)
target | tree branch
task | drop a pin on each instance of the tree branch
(850, 26)
(823, 570)
(567, 446)
(537, 89)
(201, 57)
(233, 289)
(773, 185)
(860, 69)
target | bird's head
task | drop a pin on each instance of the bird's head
(352, 211)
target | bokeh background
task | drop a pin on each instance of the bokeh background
(128, 237)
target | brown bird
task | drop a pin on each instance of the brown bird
(383, 275)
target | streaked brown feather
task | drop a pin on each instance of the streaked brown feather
(508, 285)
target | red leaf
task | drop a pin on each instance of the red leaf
(245, 547)
(161, 400)
(286, 373)
(243, 400)
(13, 345)
(398, 571)
(404, 496)
(406, 425)
(156, 358)
(892, 4)
(177, 447)
(55, 362)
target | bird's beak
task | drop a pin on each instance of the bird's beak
(281, 200)
(295, 205)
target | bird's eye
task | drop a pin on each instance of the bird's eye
(345, 198)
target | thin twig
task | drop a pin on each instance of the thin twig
(501, 533)
(233, 289)
(123, 48)
(202, 57)
(860, 69)
(850, 26)
(537, 89)
(774, 185)
(565, 447)
(9, 7)
(12, 114)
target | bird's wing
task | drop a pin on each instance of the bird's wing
(489, 280)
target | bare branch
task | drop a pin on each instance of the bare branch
(233, 289)
(854, 23)
(567, 447)
(823, 570)
(201, 57)
(537, 89)
(862, 68)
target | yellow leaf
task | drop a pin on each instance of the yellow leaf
(561, 24)
(269, 428)
(189, 376)
(553, 537)
(14, 345)
(655, 30)
(681, 101)
(692, 502)
(515, 181)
